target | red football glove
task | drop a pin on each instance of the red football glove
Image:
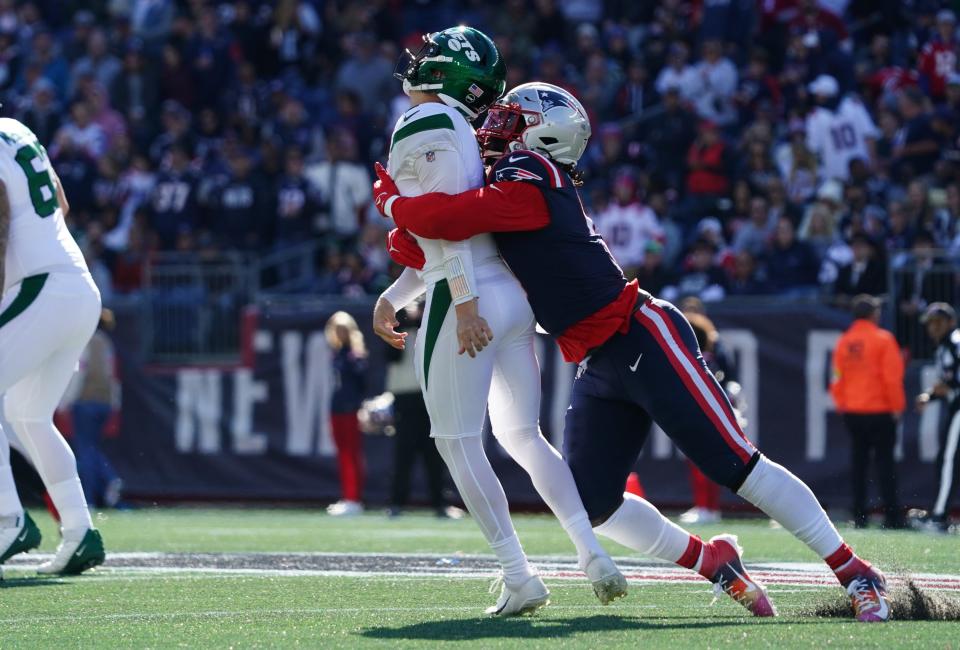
(404, 249)
(383, 189)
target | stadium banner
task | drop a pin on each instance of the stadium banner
(260, 430)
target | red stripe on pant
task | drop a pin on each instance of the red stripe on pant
(692, 388)
(709, 379)
(346, 435)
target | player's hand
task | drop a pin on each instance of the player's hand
(473, 333)
(404, 249)
(385, 323)
(383, 189)
(923, 399)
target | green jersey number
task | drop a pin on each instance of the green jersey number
(43, 193)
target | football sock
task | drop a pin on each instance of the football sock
(788, 501)
(68, 497)
(55, 463)
(483, 495)
(10, 506)
(516, 568)
(638, 525)
(554, 482)
(9, 499)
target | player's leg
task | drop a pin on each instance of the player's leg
(454, 387)
(948, 470)
(18, 533)
(27, 336)
(602, 440)
(688, 403)
(514, 413)
(29, 407)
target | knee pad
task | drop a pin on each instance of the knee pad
(515, 439)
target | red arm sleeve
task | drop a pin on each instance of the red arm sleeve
(508, 206)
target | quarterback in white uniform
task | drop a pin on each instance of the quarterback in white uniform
(434, 149)
(49, 311)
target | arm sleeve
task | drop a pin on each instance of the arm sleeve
(442, 170)
(509, 206)
(893, 375)
(407, 288)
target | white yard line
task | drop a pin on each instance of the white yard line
(287, 612)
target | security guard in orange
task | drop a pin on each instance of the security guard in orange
(868, 390)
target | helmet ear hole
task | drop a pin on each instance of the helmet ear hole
(547, 140)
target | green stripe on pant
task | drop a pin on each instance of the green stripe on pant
(29, 290)
(440, 301)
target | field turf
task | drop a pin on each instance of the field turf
(170, 585)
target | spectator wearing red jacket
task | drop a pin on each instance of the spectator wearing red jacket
(709, 163)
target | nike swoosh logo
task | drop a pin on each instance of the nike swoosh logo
(750, 587)
(636, 363)
(79, 551)
(23, 535)
(883, 603)
(516, 158)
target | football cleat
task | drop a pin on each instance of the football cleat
(868, 595)
(21, 537)
(345, 509)
(700, 516)
(732, 579)
(80, 550)
(608, 583)
(525, 599)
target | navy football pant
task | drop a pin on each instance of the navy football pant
(653, 372)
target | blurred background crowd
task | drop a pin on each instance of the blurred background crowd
(740, 147)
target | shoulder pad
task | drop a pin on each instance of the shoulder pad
(528, 166)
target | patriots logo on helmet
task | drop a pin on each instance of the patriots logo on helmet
(516, 174)
(550, 99)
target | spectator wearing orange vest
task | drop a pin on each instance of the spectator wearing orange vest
(868, 390)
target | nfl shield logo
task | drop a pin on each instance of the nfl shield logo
(475, 90)
(431, 156)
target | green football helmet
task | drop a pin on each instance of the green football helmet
(461, 65)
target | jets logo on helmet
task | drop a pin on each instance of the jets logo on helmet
(461, 65)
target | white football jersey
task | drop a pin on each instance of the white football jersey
(838, 137)
(39, 239)
(434, 149)
(628, 229)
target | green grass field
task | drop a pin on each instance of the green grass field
(195, 601)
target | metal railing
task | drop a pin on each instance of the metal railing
(915, 283)
(193, 306)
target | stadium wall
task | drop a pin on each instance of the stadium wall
(259, 430)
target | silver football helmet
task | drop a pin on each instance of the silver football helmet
(536, 116)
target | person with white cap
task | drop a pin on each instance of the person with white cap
(839, 129)
(938, 58)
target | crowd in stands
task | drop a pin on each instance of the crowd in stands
(740, 147)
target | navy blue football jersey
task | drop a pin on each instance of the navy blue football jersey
(565, 267)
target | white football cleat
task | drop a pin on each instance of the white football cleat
(345, 509)
(525, 599)
(81, 549)
(608, 583)
(700, 516)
